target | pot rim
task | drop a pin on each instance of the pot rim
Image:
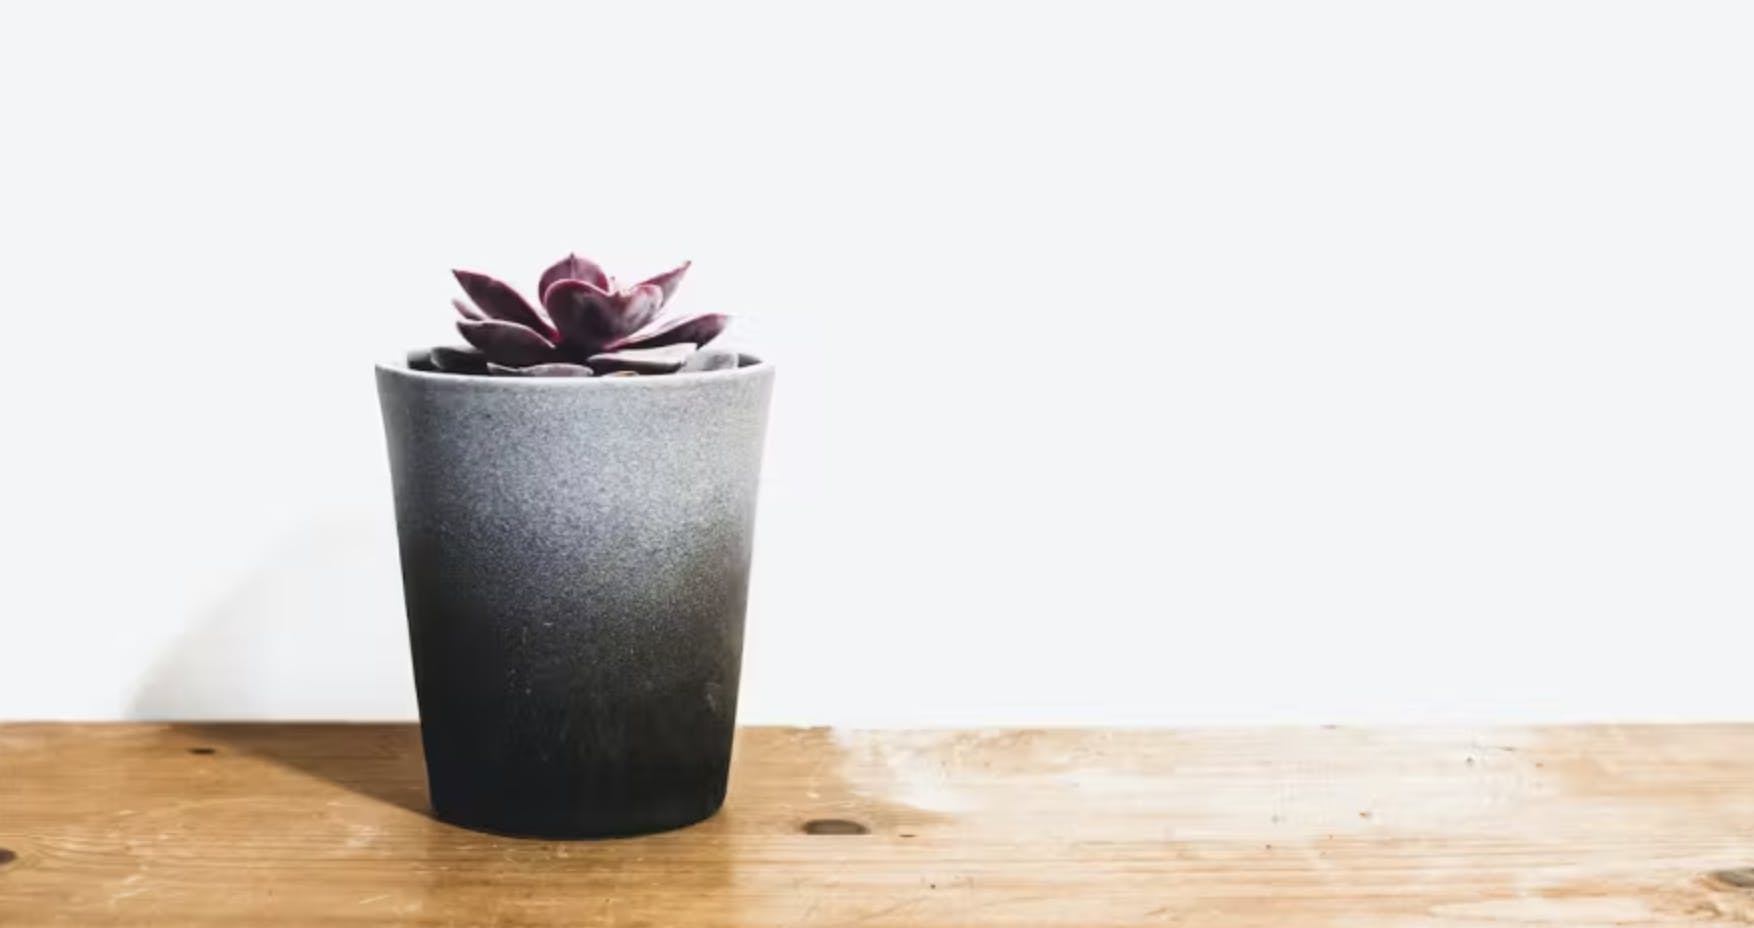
(750, 366)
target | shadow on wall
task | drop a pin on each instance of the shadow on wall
(314, 631)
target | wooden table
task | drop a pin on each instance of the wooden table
(325, 825)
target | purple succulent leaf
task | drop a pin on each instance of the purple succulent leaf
(587, 316)
(557, 369)
(457, 360)
(712, 359)
(668, 281)
(697, 329)
(639, 307)
(663, 360)
(506, 342)
(467, 311)
(572, 267)
(500, 301)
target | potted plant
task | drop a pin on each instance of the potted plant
(575, 501)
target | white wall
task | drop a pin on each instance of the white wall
(1140, 363)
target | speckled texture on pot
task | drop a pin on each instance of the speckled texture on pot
(575, 561)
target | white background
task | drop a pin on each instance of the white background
(1155, 363)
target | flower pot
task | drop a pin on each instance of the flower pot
(575, 562)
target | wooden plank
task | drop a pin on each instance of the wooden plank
(324, 825)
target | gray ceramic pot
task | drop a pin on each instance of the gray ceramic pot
(575, 561)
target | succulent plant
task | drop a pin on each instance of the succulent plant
(582, 324)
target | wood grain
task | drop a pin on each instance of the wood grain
(325, 825)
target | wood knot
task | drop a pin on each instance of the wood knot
(203, 751)
(834, 826)
(7, 855)
(1742, 878)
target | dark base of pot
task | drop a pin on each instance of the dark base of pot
(627, 827)
(611, 804)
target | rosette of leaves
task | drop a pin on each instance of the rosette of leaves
(582, 324)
